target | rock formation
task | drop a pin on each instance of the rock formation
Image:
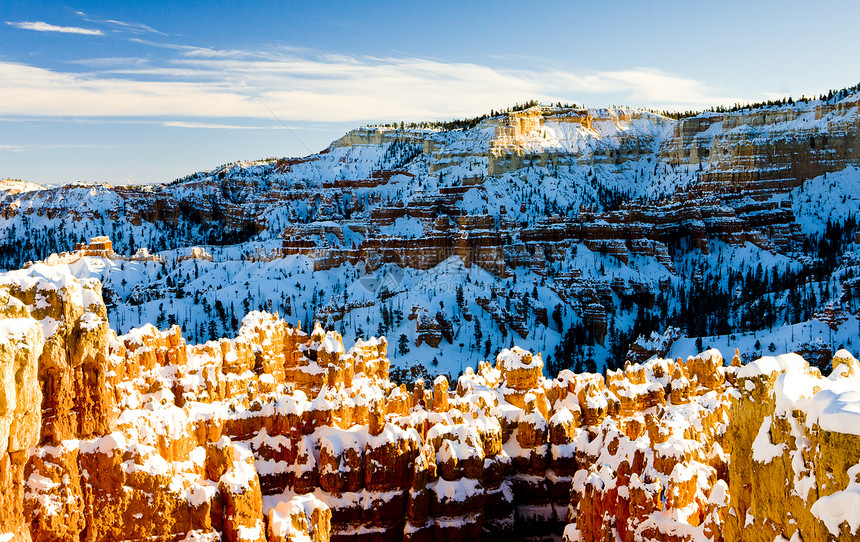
(21, 341)
(798, 433)
(281, 435)
(744, 159)
(520, 192)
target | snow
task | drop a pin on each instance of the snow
(405, 226)
(239, 477)
(773, 364)
(16, 330)
(562, 416)
(321, 403)
(837, 412)
(830, 197)
(534, 419)
(39, 483)
(673, 447)
(763, 450)
(791, 388)
(841, 506)
(332, 345)
(843, 369)
(517, 358)
(512, 447)
(572, 533)
(200, 494)
(200, 536)
(336, 441)
(457, 451)
(280, 522)
(251, 533)
(712, 354)
(107, 444)
(597, 400)
(719, 494)
(457, 490)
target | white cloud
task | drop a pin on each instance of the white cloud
(213, 126)
(298, 86)
(40, 26)
(134, 28)
(46, 146)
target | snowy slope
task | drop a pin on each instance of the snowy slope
(561, 168)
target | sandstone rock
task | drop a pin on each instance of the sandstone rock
(800, 455)
(240, 491)
(54, 499)
(21, 341)
(521, 370)
(198, 435)
(300, 518)
(440, 394)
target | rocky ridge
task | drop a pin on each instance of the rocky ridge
(523, 192)
(277, 434)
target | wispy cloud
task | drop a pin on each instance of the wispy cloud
(301, 86)
(646, 85)
(47, 146)
(124, 26)
(40, 26)
(135, 28)
(213, 126)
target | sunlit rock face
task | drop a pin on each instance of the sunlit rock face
(277, 435)
(651, 462)
(798, 433)
(21, 340)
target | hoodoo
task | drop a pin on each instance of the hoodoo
(277, 434)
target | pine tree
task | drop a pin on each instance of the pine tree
(403, 345)
(556, 317)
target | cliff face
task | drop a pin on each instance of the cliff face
(555, 136)
(21, 340)
(804, 435)
(656, 469)
(724, 171)
(280, 435)
(768, 148)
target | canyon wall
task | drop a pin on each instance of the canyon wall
(735, 164)
(524, 192)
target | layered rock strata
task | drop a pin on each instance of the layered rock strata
(737, 163)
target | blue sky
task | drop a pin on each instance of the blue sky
(151, 91)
